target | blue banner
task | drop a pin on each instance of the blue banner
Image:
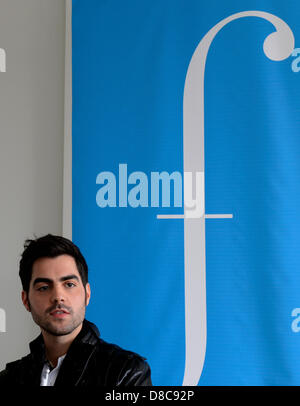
(185, 176)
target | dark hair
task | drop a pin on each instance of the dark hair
(49, 246)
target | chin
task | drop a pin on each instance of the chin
(58, 330)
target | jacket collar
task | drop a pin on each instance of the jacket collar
(77, 356)
(89, 334)
(37, 349)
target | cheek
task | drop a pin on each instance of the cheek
(37, 301)
(79, 299)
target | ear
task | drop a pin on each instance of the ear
(25, 300)
(87, 293)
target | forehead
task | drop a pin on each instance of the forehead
(54, 268)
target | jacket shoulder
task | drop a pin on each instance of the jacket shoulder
(3, 378)
(12, 371)
(123, 367)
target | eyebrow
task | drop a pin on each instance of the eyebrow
(63, 279)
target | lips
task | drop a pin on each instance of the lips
(59, 313)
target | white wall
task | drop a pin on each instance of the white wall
(32, 32)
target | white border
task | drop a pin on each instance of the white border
(67, 174)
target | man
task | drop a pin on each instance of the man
(68, 352)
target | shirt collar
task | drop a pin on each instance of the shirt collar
(59, 361)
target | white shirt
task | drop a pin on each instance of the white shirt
(49, 376)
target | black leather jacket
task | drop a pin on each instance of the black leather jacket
(90, 362)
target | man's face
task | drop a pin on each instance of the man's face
(57, 298)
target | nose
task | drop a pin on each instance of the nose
(57, 295)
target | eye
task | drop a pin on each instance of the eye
(42, 288)
(70, 285)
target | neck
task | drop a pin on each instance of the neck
(56, 346)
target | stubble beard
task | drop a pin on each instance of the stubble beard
(59, 327)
